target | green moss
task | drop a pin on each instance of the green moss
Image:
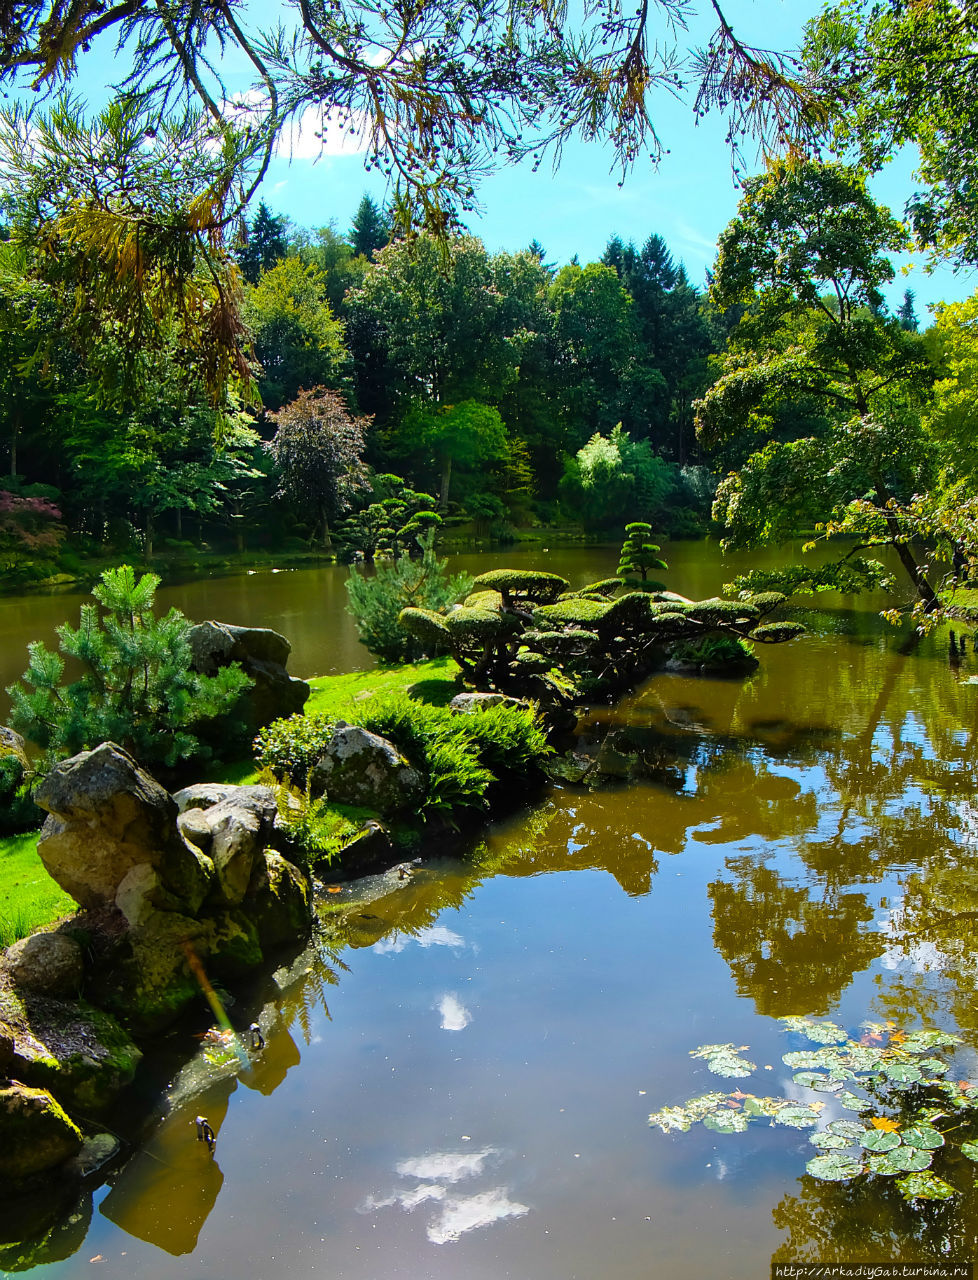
(765, 601)
(491, 600)
(717, 612)
(604, 587)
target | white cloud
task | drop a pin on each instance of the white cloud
(454, 1015)
(456, 1216)
(446, 1166)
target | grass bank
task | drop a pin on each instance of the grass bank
(30, 898)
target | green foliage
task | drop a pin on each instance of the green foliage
(378, 600)
(850, 575)
(523, 585)
(908, 1111)
(711, 651)
(777, 632)
(576, 611)
(613, 474)
(136, 689)
(460, 754)
(316, 829)
(392, 524)
(639, 553)
(288, 748)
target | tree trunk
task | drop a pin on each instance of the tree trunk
(14, 437)
(446, 480)
(149, 536)
(925, 591)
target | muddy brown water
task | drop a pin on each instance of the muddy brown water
(462, 1088)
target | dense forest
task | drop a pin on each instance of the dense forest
(183, 368)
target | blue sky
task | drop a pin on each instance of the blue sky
(688, 199)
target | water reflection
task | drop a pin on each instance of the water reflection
(455, 1213)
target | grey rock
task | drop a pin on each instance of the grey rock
(242, 826)
(95, 1153)
(262, 655)
(49, 963)
(12, 744)
(363, 769)
(107, 815)
(279, 902)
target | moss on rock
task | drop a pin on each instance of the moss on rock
(35, 1133)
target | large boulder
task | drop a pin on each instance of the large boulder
(107, 816)
(262, 655)
(48, 963)
(279, 902)
(361, 768)
(79, 1053)
(35, 1133)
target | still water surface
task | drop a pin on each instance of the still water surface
(462, 1089)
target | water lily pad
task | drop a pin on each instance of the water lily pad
(860, 1057)
(925, 1041)
(852, 1101)
(882, 1165)
(880, 1140)
(970, 1149)
(797, 1116)
(804, 1058)
(754, 1106)
(901, 1073)
(818, 1032)
(817, 1080)
(851, 1130)
(923, 1136)
(925, 1186)
(933, 1065)
(726, 1121)
(909, 1159)
(672, 1120)
(724, 1059)
(829, 1141)
(834, 1167)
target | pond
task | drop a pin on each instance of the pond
(462, 1088)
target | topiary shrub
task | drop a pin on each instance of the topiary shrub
(639, 554)
(777, 632)
(575, 611)
(524, 586)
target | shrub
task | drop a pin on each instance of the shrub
(289, 747)
(137, 688)
(376, 602)
(713, 651)
(316, 830)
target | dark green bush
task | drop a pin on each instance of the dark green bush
(291, 746)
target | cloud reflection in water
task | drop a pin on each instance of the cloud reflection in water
(454, 1213)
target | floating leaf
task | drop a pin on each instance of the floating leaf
(726, 1121)
(882, 1164)
(723, 1059)
(923, 1136)
(885, 1123)
(829, 1141)
(934, 1065)
(817, 1032)
(970, 1149)
(925, 1186)
(909, 1159)
(851, 1130)
(804, 1058)
(901, 1073)
(851, 1101)
(817, 1080)
(880, 1140)
(798, 1116)
(925, 1041)
(672, 1120)
(834, 1167)
(754, 1106)
(860, 1058)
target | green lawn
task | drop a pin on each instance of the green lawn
(30, 898)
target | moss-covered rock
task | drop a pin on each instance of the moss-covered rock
(280, 903)
(79, 1053)
(363, 769)
(49, 963)
(35, 1133)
